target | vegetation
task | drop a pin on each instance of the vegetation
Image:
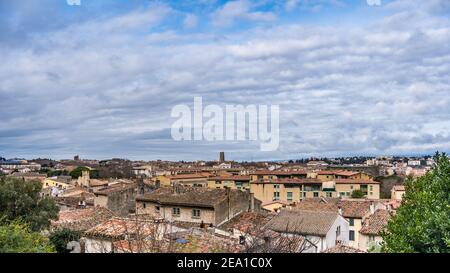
(62, 237)
(386, 184)
(16, 237)
(78, 172)
(19, 200)
(358, 194)
(421, 224)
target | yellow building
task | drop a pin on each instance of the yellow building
(345, 187)
(235, 182)
(288, 190)
(329, 175)
(267, 175)
(196, 180)
(53, 183)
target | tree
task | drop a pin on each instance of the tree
(357, 194)
(60, 238)
(421, 224)
(16, 237)
(22, 200)
(78, 172)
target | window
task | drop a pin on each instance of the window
(144, 205)
(351, 235)
(195, 213)
(338, 231)
(316, 194)
(218, 182)
(289, 196)
(276, 196)
(276, 186)
(157, 209)
(329, 194)
(351, 222)
(176, 212)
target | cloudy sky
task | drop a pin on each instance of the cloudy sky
(100, 79)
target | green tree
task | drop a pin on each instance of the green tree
(357, 194)
(16, 237)
(422, 222)
(61, 237)
(22, 200)
(77, 172)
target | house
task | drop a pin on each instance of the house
(30, 176)
(192, 179)
(397, 192)
(274, 206)
(81, 219)
(345, 187)
(321, 229)
(289, 190)
(353, 210)
(236, 182)
(339, 248)
(196, 205)
(372, 227)
(273, 175)
(74, 198)
(329, 175)
(147, 234)
(119, 198)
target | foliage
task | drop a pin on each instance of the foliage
(22, 200)
(421, 224)
(16, 237)
(358, 194)
(60, 238)
(78, 172)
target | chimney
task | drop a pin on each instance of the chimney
(251, 197)
(372, 207)
(340, 210)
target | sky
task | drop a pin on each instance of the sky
(99, 79)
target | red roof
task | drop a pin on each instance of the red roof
(289, 181)
(355, 181)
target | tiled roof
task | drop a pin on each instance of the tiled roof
(375, 223)
(303, 222)
(355, 181)
(268, 172)
(298, 181)
(247, 222)
(346, 173)
(121, 227)
(230, 178)
(351, 208)
(115, 188)
(82, 219)
(187, 176)
(339, 248)
(187, 196)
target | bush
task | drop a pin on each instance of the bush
(60, 238)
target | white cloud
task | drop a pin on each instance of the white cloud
(190, 21)
(364, 90)
(239, 10)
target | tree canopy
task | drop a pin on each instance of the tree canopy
(16, 237)
(357, 194)
(60, 238)
(22, 200)
(422, 222)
